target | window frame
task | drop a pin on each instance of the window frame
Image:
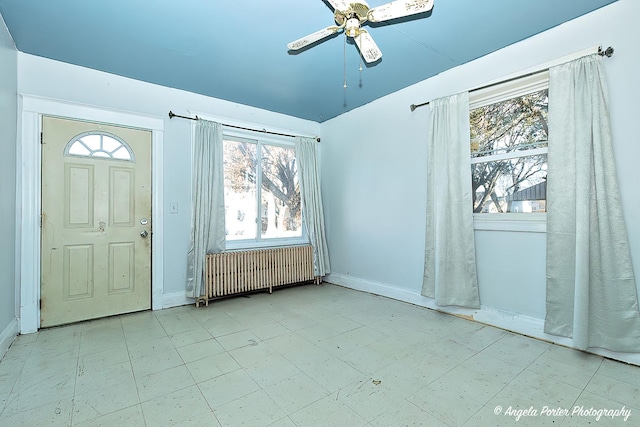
(534, 222)
(259, 242)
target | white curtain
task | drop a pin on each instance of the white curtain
(207, 223)
(450, 260)
(591, 290)
(306, 154)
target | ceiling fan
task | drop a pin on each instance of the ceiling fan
(351, 15)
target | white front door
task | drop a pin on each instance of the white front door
(96, 221)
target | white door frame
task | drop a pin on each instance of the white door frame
(29, 163)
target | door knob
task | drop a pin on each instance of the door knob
(144, 234)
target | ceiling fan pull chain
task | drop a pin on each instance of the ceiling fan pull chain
(345, 61)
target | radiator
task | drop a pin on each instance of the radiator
(237, 272)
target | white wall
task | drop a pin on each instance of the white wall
(8, 130)
(46, 78)
(374, 173)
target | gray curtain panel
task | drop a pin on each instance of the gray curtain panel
(591, 289)
(450, 258)
(306, 154)
(207, 222)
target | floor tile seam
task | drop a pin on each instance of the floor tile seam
(522, 369)
(506, 361)
(389, 361)
(551, 376)
(4, 407)
(11, 391)
(227, 334)
(572, 351)
(75, 378)
(203, 357)
(454, 367)
(346, 403)
(406, 401)
(437, 417)
(475, 349)
(620, 379)
(32, 407)
(446, 384)
(142, 403)
(349, 407)
(268, 384)
(492, 397)
(537, 357)
(207, 402)
(563, 363)
(101, 414)
(135, 379)
(264, 389)
(536, 397)
(324, 390)
(571, 406)
(601, 396)
(337, 393)
(597, 392)
(156, 372)
(482, 406)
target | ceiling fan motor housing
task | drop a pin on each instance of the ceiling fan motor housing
(359, 11)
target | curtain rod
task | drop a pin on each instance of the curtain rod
(608, 52)
(172, 115)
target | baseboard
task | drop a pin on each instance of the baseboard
(7, 336)
(513, 322)
(176, 299)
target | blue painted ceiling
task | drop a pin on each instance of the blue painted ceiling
(237, 50)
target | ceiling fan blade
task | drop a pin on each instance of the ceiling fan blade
(312, 38)
(339, 5)
(368, 48)
(398, 9)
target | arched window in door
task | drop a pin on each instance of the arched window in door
(99, 144)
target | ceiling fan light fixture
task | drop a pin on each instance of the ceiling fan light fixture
(352, 27)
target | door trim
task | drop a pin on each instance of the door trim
(28, 194)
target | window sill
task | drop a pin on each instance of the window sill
(237, 245)
(527, 222)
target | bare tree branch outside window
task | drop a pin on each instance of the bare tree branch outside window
(506, 175)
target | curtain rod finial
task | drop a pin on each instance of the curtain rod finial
(171, 115)
(608, 52)
(412, 107)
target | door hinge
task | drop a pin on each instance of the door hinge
(41, 137)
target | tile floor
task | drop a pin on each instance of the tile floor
(305, 356)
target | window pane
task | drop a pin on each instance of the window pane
(109, 144)
(280, 210)
(511, 185)
(78, 149)
(121, 153)
(240, 190)
(92, 141)
(511, 125)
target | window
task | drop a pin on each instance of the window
(262, 193)
(99, 144)
(509, 149)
